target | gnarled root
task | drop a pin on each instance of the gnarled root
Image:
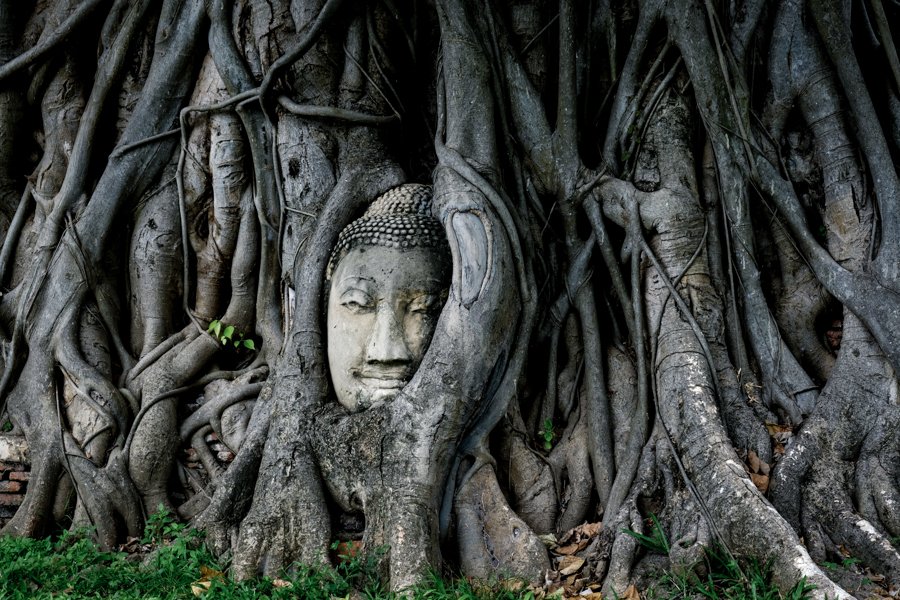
(494, 541)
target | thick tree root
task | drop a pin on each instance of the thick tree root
(493, 541)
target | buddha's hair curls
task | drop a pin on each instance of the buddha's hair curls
(399, 218)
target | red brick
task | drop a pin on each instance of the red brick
(10, 486)
(11, 499)
(6, 466)
(20, 476)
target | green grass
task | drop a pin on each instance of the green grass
(73, 567)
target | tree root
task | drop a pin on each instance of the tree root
(493, 540)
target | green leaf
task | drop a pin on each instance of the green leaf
(212, 325)
(217, 330)
(547, 433)
(229, 331)
(656, 542)
(249, 344)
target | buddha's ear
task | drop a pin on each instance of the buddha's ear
(470, 242)
(462, 208)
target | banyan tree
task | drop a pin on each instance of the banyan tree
(618, 259)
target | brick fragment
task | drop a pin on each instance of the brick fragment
(10, 487)
(20, 476)
(11, 499)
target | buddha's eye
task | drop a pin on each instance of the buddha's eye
(357, 301)
(425, 304)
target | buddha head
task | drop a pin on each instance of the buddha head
(389, 275)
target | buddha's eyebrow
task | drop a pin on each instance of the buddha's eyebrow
(356, 278)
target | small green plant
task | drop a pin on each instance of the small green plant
(226, 334)
(846, 563)
(7, 426)
(656, 542)
(547, 434)
(161, 527)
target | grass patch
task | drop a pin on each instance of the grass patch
(179, 565)
(175, 563)
(74, 567)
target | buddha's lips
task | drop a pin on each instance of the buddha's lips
(387, 379)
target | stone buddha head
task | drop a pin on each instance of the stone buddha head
(389, 275)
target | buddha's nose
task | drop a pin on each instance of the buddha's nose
(387, 342)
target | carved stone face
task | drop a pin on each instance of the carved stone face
(383, 306)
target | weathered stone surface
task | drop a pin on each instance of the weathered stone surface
(13, 449)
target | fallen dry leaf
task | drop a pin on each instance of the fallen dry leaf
(569, 565)
(567, 538)
(780, 433)
(631, 593)
(208, 573)
(198, 588)
(572, 548)
(205, 582)
(756, 465)
(760, 481)
(281, 583)
(753, 462)
(585, 531)
(590, 529)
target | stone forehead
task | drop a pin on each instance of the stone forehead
(399, 218)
